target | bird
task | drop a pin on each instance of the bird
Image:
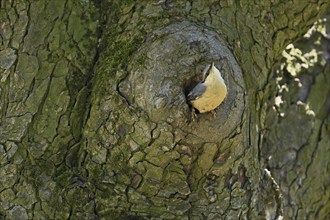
(208, 94)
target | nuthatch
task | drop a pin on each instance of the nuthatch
(210, 92)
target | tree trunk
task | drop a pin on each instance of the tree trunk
(95, 124)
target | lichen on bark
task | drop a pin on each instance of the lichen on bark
(299, 162)
(82, 138)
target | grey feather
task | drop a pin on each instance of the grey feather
(196, 92)
(205, 71)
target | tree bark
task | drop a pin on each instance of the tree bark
(95, 124)
(296, 140)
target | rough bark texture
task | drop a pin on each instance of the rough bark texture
(296, 146)
(94, 122)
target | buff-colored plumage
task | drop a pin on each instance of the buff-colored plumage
(210, 93)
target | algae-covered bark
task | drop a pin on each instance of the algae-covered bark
(297, 140)
(94, 122)
(47, 55)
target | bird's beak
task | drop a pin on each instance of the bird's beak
(213, 67)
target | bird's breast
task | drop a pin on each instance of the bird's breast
(211, 98)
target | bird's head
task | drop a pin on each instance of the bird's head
(212, 73)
